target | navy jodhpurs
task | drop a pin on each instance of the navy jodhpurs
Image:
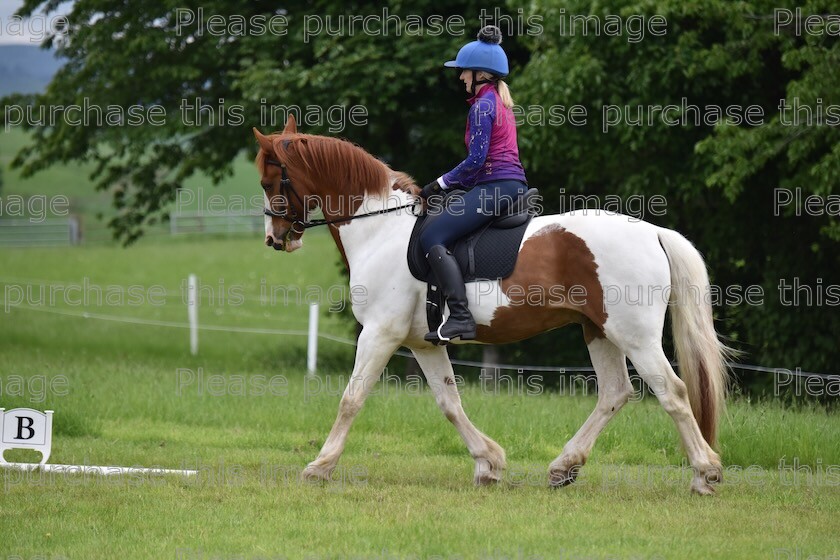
(469, 211)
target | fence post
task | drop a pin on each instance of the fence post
(192, 312)
(75, 230)
(312, 347)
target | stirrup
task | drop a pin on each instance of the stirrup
(434, 336)
(462, 335)
(442, 338)
(437, 338)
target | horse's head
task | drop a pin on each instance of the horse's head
(287, 202)
(300, 173)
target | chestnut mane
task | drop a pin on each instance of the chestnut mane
(335, 163)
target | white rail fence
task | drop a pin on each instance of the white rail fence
(41, 233)
(313, 335)
(227, 223)
(57, 232)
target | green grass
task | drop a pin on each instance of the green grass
(404, 486)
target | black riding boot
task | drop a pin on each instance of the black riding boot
(460, 321)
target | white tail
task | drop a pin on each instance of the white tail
(701, 356)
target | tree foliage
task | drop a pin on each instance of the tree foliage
(137, 53)
(719, 180)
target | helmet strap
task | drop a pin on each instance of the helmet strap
(475, 82)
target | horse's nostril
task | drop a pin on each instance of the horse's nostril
(269, 241)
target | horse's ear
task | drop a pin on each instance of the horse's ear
(291, 125)
(265, 141)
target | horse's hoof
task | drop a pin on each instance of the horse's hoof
(559, 478)
(487, 479)
(713, 475)
(314, 473)
(702, 488)
(485, 474)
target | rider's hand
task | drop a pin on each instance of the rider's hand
(430, 189)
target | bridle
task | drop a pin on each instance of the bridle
(305, 223)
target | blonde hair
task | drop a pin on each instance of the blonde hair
(504, 94)
(501, 87)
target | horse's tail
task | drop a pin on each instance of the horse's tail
(701, 356)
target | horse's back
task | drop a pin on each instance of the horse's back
(596, 263)
(618, 243)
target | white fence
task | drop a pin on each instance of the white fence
(228, 223)
(44, 233)
(54, 232)
(313, 335)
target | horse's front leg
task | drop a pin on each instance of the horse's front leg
(375, 347)
(489, 456)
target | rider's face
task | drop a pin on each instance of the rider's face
(466, 77)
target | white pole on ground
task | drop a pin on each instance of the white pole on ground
(192, 312)
(312, 348)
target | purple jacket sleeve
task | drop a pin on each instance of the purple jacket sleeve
(481, 116)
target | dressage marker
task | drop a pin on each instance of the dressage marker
(25, 428)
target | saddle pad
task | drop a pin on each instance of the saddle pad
(486, 254)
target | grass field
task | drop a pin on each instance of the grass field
(127, 393)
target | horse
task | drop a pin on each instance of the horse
(575, 261)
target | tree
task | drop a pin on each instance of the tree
(718, 178)
(146, 53)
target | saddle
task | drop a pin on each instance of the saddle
(488, 253)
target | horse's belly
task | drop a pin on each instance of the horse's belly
(516, 314)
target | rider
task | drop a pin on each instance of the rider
(492, 174)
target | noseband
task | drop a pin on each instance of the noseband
(304, 224)
(286, 187)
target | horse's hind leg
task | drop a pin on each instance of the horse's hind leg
(489, 456)
(655, 369)
(614, 390)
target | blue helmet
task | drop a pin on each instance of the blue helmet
(484, 54)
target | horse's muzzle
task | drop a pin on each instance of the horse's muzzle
(277, 244)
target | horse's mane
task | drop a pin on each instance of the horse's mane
(336, 162)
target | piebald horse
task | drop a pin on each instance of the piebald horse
(579, 267)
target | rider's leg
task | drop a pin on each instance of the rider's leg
(459, 323)
(468, 211)
(463, 215)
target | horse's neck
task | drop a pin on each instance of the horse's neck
(383, 236)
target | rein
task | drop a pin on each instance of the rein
(304, 224)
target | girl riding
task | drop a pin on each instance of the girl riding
(491, 175)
